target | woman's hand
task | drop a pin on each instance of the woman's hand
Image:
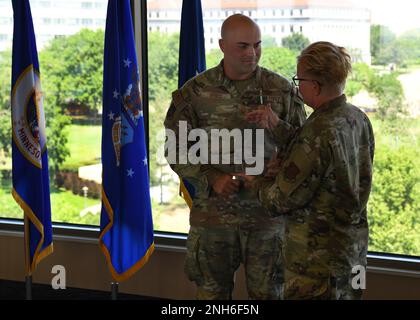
(263, 117)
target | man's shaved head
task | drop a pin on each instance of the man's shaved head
(241, 46)
(235, 22)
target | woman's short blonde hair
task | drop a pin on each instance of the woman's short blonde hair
(328, 63)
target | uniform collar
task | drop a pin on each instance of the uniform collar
(229, 84)
(338, 101)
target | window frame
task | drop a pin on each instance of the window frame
(380, 262)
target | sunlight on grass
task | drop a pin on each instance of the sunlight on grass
(84, 144)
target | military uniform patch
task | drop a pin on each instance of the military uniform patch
(291, 171)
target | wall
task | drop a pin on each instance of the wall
(162, 276)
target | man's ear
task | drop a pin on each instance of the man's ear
(222, 45)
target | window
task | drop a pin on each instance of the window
(74, 111)
(371, 34)
(87, 5)
(383, 40)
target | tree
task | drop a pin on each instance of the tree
(359, 79)
(213, 58)
(268, 42)
(393, 205)
(163, 79)
(163, 63)
(280, 60)
(381, 37)
(387, 48)
(295, 42)
(389, 92)
(5, 115)
(73, 68)
(55, 120)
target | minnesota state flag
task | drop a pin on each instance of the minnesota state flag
(126, 236)
(31, 188)
(192, 61)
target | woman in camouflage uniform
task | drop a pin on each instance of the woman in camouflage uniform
(323, 183)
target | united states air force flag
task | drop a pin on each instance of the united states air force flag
(126, 220)
(192, 60)
(31, 188)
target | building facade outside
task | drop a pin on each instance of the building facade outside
(341, 22)
(54, 18)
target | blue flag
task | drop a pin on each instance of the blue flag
(126, 218)
(31, 188)
(192, 61)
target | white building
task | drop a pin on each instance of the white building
(339, 21)
(54, 18)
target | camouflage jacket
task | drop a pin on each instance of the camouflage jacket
(323, 186)
(212, 101)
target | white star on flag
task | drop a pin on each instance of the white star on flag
(111, 115)
(127, 63)
(116, 94)
(130, 173)
(145, 161)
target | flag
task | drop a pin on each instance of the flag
(192, 61)
(126, 236)
(31, 188)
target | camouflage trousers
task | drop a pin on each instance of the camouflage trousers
(214, 254)
(301, 287)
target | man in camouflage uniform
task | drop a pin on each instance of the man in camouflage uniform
(324, 182)
(228, 225)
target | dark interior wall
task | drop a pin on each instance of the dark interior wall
(162, 276)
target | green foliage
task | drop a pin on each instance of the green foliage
(213, 58)
(381, 37)
(163, 64)
(65, 206)
(268, 42)
(72, 75)
(72, 67)
(295, 42)
(5, 116)
(5, 78)
(163, 79)
(84, 142)
(280, 60)
(386, 48)
(359, 79)
(55, 120)
(394, 203)
(389, 92)
(57, 138)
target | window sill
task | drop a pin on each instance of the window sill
(384, 263)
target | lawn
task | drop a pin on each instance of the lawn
(84, 144)
(65, 207)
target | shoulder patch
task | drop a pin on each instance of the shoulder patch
(291, 171)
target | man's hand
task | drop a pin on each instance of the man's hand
(256, 182)
(263, 117)
(225, 185)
